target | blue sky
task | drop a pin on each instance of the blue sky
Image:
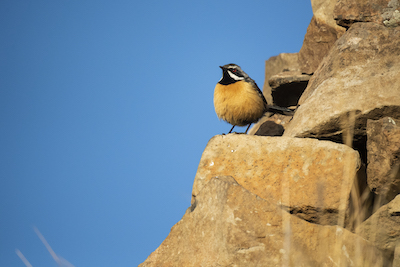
(105, 110)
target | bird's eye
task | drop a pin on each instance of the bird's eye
(233, 70)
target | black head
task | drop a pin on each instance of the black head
(232, 73)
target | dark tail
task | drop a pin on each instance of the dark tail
(281, 110)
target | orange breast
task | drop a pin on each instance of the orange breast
(238, 103)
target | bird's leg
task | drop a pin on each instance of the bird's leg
(247, 128)
(231, 129)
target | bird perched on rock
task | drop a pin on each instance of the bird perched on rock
(239, 101)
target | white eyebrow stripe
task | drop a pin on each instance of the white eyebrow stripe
(235, 77)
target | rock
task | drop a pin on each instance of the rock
(230, 226)
(320, 37)
(275, 65)
(287, 77)
(317, 42)
(383, 228)
(323, 12)
(347, 12)
(270, 125)
(308, 177)
(383, 145)
(287, 87)
(358, 80)
(270, 128)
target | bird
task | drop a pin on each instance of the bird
(239, 101)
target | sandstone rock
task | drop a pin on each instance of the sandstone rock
(323, 12)
(270, 125)
(309, 177)
(287, 87)
(347, 12)
(287, 77)
(321, 35)
(358, 80)
(229, 226)
(383, 144)
(270, 128)
(275, 65)
(383, 228)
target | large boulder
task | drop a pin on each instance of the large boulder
(357, 81)
(307, 177)
(230, 226)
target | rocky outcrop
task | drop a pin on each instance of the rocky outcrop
(230, 226)
(326, 192)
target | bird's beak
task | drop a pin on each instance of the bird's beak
(221, 67)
